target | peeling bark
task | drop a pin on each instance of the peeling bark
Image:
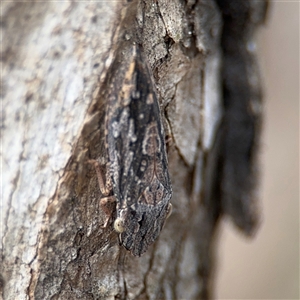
(55, 59)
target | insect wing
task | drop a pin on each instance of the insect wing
(137, 154)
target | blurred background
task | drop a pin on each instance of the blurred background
(267, 267)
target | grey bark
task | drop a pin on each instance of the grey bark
(54, 61)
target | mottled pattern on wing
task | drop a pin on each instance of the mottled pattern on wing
(137, 155)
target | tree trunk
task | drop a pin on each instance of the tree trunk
(56, 61)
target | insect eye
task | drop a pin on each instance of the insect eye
(119, 225)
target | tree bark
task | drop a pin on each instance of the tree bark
(55, 58)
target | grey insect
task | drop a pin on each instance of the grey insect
(137, 176)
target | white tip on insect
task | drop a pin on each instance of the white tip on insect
(119, 225)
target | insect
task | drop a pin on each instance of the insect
(137, 176)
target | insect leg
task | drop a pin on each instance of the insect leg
(107, 204)
(106, 187)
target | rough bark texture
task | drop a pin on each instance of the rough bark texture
(55, 60)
